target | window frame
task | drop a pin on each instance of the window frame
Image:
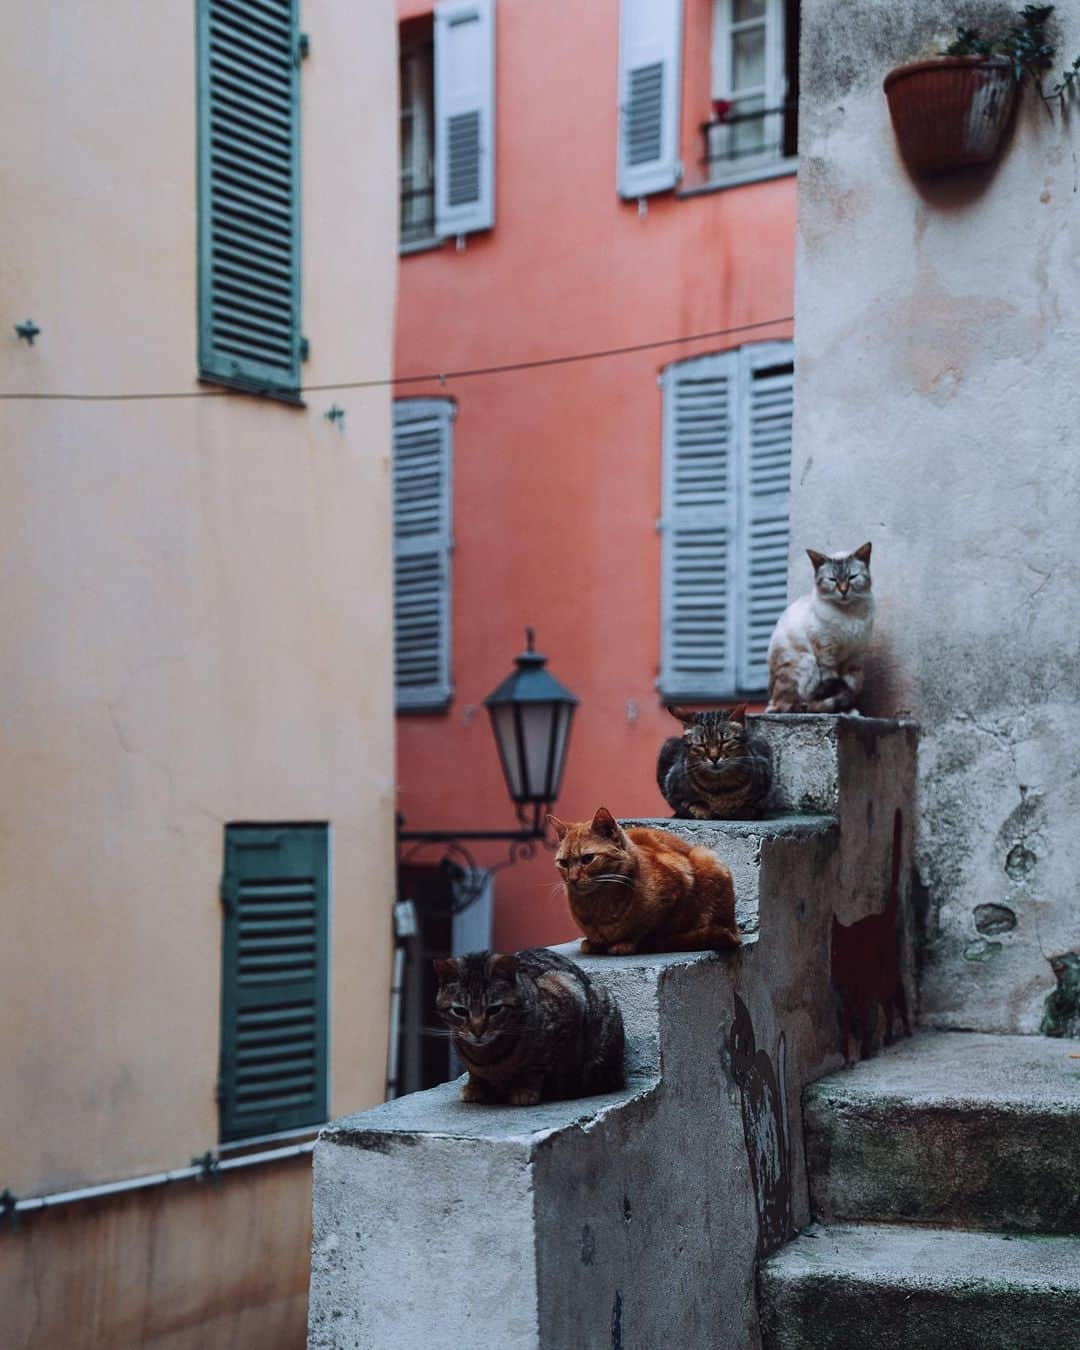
(779, 86)
(418, 47)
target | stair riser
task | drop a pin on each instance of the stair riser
(840, 1315)
(946, 1167)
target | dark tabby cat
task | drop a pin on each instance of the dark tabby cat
(530, 1026)
(714, 770)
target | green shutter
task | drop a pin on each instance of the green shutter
(249, 194)
(274, 979)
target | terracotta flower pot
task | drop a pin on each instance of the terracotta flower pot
(951, 111)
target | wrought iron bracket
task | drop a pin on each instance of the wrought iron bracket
(467, 874)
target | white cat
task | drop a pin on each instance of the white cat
(817, 649)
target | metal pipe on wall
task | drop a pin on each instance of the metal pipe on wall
(196, 1170)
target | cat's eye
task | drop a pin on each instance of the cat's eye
(561, 862)
(587, 858)
(495, 1008)
(458, 1011)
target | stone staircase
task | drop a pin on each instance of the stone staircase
(638, 1219)
(945, 1181)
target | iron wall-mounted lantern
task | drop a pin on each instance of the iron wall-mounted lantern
(530, 716)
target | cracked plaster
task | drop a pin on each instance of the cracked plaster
(936, 403)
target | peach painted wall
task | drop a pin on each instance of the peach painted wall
(197, 628)
(557, 471)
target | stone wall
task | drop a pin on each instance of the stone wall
(937, 403)
(636, 1220)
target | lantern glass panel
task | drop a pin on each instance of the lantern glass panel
(564, 712)
(536, 729)
(502, 718)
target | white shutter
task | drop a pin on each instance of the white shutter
(422, 465)
(650, 79)
(767, 401)
(698, 527)
(464, 116)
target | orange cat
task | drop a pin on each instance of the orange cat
(643, 890)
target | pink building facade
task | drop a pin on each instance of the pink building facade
(575, 179)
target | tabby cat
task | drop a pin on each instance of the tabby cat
(643, 890)
(819, 644)
(529, 1026)
(714, 770)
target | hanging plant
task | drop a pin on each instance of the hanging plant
(1027, 49)
(952, 110)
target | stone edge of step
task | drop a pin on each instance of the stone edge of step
(910, 1256)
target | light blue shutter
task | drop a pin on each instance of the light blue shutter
(464, 116)
(249, 194)
(650, 79)
(767, 402)
(422, 465)
(698, 527)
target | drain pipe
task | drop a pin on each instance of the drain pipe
(206, 1167)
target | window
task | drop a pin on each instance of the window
(754, 86)
(417, 137)
(650, 66)
(447, 106)
(423, 456)
(275, 897)
(724, 522)
(249, 195)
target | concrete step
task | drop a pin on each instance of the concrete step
(760, 853)
(951, 1128)
(816, 756)
(836, 1288)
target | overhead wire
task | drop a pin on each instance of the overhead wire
(440, 377)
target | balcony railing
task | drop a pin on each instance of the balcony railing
(727, 152)
(417, 218)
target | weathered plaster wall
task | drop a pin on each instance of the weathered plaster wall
(937, 400)
(196, 625)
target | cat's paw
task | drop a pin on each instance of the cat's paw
(622, 949)
(474, 1091)
(700, 813)
(592, 948)
(523, 1096)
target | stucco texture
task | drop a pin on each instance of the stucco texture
(196, 622)
(936, 401)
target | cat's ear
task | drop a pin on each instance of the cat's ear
(863, 554)
(604, 823)
(685, 715)
(446, 968)
(559, 826)
(504, 967)
(737, 714)
(816, 558)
